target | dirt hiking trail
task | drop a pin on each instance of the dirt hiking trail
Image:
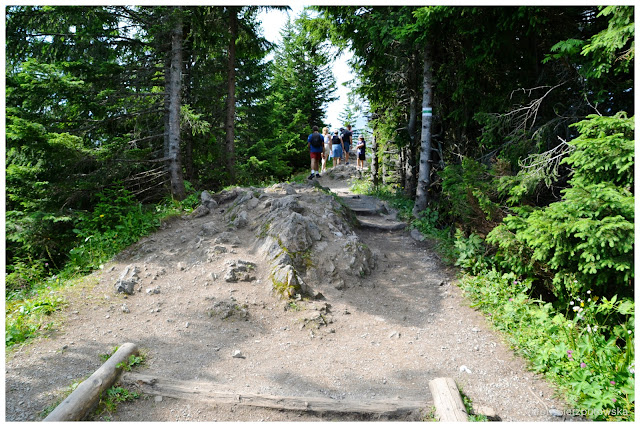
(386, 318)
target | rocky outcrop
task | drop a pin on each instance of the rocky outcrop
(302, 231)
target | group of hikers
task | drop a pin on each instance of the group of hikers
(324, 147)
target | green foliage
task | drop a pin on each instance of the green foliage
(588, 235)
(132, 362)
(468, 405)
(110, 399)
(586, 350)
(24, 318)
(468, 195)
(604, 151)
(614, 47)
(117, 221)
(471, 253)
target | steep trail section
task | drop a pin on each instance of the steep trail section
(379, 334)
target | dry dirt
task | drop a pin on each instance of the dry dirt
(389, 334)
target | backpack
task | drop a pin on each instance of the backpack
(317, 140)
(336, 140)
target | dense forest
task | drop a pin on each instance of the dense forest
(504, 132)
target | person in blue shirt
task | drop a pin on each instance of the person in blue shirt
(316, 148)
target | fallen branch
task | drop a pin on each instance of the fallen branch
(84, 398)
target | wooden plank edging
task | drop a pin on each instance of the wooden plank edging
(76, 406)
(209, 392)
(447, 400)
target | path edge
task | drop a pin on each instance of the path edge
(84, 398)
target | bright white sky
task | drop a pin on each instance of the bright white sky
(273, 21)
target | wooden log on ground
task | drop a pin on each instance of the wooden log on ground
(76, 406)
(447, 400)
(214, 393)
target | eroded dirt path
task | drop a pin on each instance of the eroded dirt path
(387, 334)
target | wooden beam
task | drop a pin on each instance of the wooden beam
(210, 392)
(76, 406)
(447, 400)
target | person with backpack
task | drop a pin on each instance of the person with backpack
(316, 148)
(346, 139)
(361, 148)
(336, 148)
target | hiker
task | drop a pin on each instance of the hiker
(336, 148)
(326, 152)
(316, 147)
(346, 139)
(361, 148)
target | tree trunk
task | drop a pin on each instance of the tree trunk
(422, 196)
(410, 154)
(374, 160)
(231, 93)
(401, 167)
(167, 109)
(175, 77)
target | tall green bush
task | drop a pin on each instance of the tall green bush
(468, 196)
(587, 236)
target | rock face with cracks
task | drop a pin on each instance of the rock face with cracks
(305, 235)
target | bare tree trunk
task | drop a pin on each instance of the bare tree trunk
(175, 77)
(410, 173)
(167, 105)
(401, 167)
(374, 160)
(231, 93)
(422, 197)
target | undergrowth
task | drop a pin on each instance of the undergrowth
(33, 292)
(589, 356)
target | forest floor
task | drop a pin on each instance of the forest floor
(389, 333)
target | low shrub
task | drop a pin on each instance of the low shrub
(587, 350)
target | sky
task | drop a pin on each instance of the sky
(273, 21)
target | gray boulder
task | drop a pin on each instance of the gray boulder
(207, 200)
(128, 280)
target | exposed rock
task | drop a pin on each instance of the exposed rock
(224, 196)
(314, 320)
(200, 211)
(417, 235)
(207, 200)
(127, 280)
(252, 204)
(287, 203)
(241, 220)
(227, 309)
(227, 237)
(240, 270)
(208, 230)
